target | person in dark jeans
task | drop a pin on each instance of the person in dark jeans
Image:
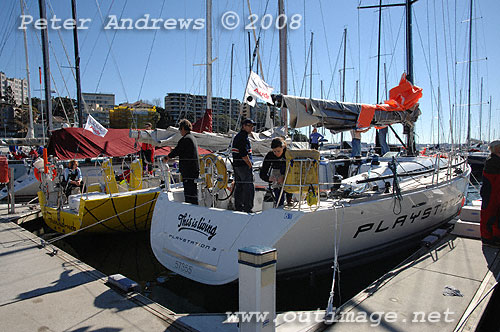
(244, 190)
(187, 150)
(72, 178)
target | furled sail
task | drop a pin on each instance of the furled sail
(402, 107)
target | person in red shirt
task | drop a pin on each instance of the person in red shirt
(490, 194)
(147, 152)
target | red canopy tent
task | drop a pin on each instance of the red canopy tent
(77, 143)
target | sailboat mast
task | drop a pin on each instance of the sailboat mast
(283, 58)
(46, 65)
(481, 112)
(470, 69)
(209, 53)
(410, 130)
(231, 89)
(311, 68)
(30, 133)
(77, 66)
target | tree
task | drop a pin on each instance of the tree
(64, 106)
(157, 102)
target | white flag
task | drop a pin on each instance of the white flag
(95, 127)
(257, 88)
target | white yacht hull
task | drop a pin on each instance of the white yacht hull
(202, 243)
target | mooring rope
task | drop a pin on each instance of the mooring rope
(336, 244)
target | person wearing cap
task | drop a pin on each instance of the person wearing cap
(244, 190)
(187, 150)
(147, 152)
(490, 194)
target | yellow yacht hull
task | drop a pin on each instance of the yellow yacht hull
(122, 212)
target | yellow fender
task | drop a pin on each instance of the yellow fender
(135, 175)
(109, 177)
(207, 164)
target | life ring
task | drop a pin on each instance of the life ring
(207, 163)
(51, 170)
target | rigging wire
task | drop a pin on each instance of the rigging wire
(62, 43)
(332, 73)
(447, 70)
(96, 39)
(109, 48)
(8, 32)
(112, 54)
(149, 55)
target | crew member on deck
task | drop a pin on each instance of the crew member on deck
(244, 190)
(314, 139)
(187, 150)
(490, 194)
(72, 178)
(147, 152)
(355, 143)
(273, 170)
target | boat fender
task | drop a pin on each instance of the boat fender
(311, 198)
(123, 283)
(206, 171)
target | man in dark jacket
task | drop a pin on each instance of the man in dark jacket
(244, 190)
(274, 168)
(490, 194)
(187, 150)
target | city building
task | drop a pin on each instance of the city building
(192, 107)
(133, 115)
(19, 88)
(94, 100)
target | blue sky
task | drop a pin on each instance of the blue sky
(440, 49)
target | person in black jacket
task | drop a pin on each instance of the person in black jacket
(274, 168)
(187, 150)
(244, 190)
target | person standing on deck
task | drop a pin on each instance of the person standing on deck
(490, 194)
(355, 143)
(244, 190)
(314, 139)
(274, 168)
(147, 152)
(189, 167)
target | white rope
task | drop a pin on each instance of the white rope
(336, 245)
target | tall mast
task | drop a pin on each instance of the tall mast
(77, 66)
(209, 53)
(231, 89)
(46, 66)
(481, 112)
(311, 68)
(283, 58)
(489, 123)
(30, 133)
(410, 130)
(470, 66)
